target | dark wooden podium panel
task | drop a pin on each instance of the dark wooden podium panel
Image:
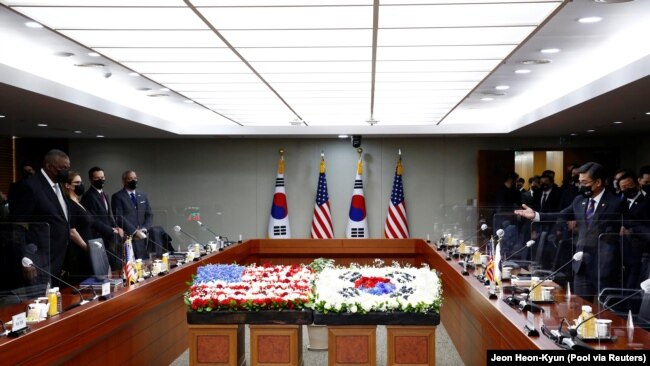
(146, 324)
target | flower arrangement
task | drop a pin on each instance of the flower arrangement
(377, 288)
(219, 287)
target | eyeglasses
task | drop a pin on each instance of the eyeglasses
(584, 182)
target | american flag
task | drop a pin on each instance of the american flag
(321, 223)
(396, 224)
(129, 262)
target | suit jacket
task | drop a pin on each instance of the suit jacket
(47, 234)
(601, 260)
(552, 203)
(104, 222)
(131, 217)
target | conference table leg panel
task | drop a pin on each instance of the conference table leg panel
(352, 345)
(411, 345)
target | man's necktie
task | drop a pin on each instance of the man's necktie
(103, 197)
(591, 208)
(134, 200)
(544, 196)
(59, 195)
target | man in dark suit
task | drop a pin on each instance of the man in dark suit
(132, 212)
(599, 215)
(636, 245)
(104, 225)
(43, 207)
(549, 196)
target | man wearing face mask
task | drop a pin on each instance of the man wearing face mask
(43, 206)
(105, 227)
(636, 245)
(132, 212)
(599, 215)
(644, 179)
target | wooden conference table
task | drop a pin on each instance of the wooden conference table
(145, 324)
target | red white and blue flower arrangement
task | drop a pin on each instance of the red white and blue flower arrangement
(219, 287)
(377, 288)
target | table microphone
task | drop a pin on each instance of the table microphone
(573, 332)
(529, 244)
(28, 262)
(222, 243)
(535, 308)
(178, 229)
(484, 227)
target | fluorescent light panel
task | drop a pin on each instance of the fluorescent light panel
(125, 3)
(452, 36)
(468, 15)
(484, 52)
(145, 38)
(286, 17)
(307, 53)
(115, 17)
(193, 67)
(169, 54)
(299, 38)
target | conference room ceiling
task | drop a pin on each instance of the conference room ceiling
(138, 68)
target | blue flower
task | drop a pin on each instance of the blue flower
(219, 272)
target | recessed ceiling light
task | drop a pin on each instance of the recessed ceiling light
(573, 134)
(617, 122)
(590, 131)
(100, 136)
(42, 125)
(93, 54)
(157, 95)
(343, 136)
(549, 50)
(134, 74)
(590, 19)
(502, 87)
(522, 71)
(64, 54)
(143, 89)
(77, 132)
(535, 62)
(612, 1)
(33, 25)
(2, 116)
(487, 99)
(90, 64)
(164, 89)
(648, 113)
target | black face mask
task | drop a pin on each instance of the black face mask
(646, 188)
(630, 193)
(99, 183)
(586, 191)
(131, 184)
(79, 189)
(61, 176)
(545, 187)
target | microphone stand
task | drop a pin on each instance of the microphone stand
(530, 306)
(82, 301)
(573, 332)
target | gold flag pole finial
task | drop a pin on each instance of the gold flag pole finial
(322, 162)
(281, 164)
(360, 151)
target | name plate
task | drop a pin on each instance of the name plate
(18, 322)
(106, 288)
(530, 320)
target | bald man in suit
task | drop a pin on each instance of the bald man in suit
(43, 207)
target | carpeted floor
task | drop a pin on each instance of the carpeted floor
(446, 354)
